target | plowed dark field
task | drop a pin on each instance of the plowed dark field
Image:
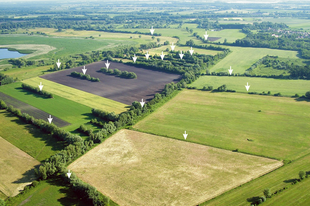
(32, 111)
(119, 89)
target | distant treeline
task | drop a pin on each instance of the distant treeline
(37, 90)
(118, 73)
(83, 76)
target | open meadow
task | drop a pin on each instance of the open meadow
(243, 58)
(134, 168)
(282, 177)
(65, 109)
(28, 138)
(270, 126)
(126, 91)
(184, 49)
(64, 45)
(79, 96)
(16, 168)
(48, 192)
(285, 86)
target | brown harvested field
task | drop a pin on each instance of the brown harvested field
(119, 89)
(135, 168)
(16, 168)
(32, 111)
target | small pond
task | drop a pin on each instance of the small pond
(5, 54)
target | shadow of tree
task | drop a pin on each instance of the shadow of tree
(290, 180)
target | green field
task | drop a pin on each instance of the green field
(243, 58)
(231, 120)
(183, 49)
(27, 72)
(274, 181)
(284, 86)
(65, 109)
(49, 192)
(64, 46)
(28, 138)
(81, 97)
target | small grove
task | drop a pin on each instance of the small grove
(118, 73)
(83, 76)
(37, 90)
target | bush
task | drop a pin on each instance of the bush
(3, 105)
(37, 90)
(2, 203)
(267, 193)
(35, 183)
(263, 198)
(302, 175)
(307, 95)
(87, 76)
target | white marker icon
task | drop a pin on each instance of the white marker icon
(142, 103)
(181, 55)
(162, 55)
(41, 86)
(69, 174)
(247, 86)
(84, 70)
(191, 51)
(230, 71)
(206, 36)
(172, 47)
(58, 64)
(107, 64)
(152, 30)
(147, 55)
(185, 135)
(134, 58)
(50, 119)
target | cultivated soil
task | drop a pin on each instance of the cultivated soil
(119, 89)
(32, 111)
(16, 168)
(134, 168)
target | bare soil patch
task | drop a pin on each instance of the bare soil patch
(119, 89)
(32, 111)
(214, 38)
(16, 168)
(135, 168)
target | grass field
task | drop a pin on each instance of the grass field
(65, 109)
(49, 192)
(15, 168)
(230, 120)
(297, 195)
(284, 86)
(64, 45)
(81, 97)
(27, 137)
(274, 181)
(27, 72)
(139, 38)
(134, 168)
(243, 58)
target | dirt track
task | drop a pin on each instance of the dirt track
(32, 111)
(119, 89)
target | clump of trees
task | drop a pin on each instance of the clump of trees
(118, 73)
(37, 90)
(5, 79)
(83, 76)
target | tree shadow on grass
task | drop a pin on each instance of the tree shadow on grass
(253, 199)
(31, 93)
(290, 180)
(302, 99)
(48, 140)
(70, 197)
(28, 176)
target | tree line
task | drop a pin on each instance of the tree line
(118, 73)
(5, 79)
(83, 76)
(37, 90)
